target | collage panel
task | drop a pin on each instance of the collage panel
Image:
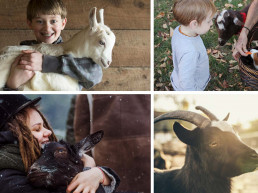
(91, 45)
(205, 45)
(205, 143)
(86, 142)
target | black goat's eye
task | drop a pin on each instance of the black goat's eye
(213, 144)
(60, 151)
(102, 43)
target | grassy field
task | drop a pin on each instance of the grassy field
(223, 68)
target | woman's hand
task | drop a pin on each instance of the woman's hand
(241, 44)
(86, 182)
(88, 161)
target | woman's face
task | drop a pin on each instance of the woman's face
(37, 127)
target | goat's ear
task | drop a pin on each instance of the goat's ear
(93, 18)
(101, 16)
(238, 22)
(226, 14)
(215, 15)
(186, 136)
(90, 141)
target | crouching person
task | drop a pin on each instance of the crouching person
(23, 131)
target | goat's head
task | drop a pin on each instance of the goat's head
(227, 24)
(102, 39)
(214, 143)
(60, 162)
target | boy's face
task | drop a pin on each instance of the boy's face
(47, 28)
(205, 26)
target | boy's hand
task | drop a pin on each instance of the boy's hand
(31, 60)
(17, 76)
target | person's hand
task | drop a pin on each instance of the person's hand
(241, 44)
(31, 60)
(88, 161)
(17, 76)
(86, 182)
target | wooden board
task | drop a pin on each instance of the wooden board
(118, 14)
(132, 47)
(124, 79)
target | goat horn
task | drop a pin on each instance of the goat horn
(211, 116)
(226, 118)
(101, 16)
(199, 120)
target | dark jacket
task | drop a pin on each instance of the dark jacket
(84, 70)
(12, 174)
(125, 147)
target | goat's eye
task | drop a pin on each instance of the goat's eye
(60, 151)
(102, 43)
(213, 144)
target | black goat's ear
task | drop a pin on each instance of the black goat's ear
(90, 141)
(186, 136)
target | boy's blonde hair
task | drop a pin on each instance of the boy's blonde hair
(46, 7)
(186, 11)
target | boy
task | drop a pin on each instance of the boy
(190, 59)
(47, 18)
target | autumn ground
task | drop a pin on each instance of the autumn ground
(223, 68)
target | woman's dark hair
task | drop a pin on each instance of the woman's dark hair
(29, 147)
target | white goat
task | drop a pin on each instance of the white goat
(96, 42)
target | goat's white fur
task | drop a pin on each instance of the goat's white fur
(85, 43)
(221, 19)
(223, 125)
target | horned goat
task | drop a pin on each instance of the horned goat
(214, 154)
(95, 41)
(229, 23)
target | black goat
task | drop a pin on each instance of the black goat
(229, 23)
(214, 154)
(60, 162)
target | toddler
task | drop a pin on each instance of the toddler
(190, 59)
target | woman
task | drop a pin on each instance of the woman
(23, 130)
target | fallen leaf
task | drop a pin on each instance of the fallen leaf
(232, 61)
(227, 5)
(165, 26)
(156, 46)
(234, 68)
(159, 85)
(160, 15)
(163, 65)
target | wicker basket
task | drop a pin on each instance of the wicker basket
(248, 73)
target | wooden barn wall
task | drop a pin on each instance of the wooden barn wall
(129, 20)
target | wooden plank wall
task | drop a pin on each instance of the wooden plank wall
(130, 21)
